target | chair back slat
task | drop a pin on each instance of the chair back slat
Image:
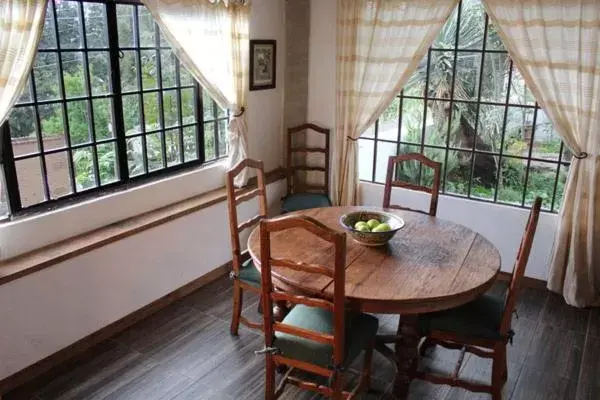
(303, 267)
(393, 161)
(520, 265)
(338, 240)
(295, 185)
(237, 196)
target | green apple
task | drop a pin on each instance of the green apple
(363, 228)
(382, 228)
(372, 223)
(361, 224)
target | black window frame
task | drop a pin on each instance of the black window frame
(218, 119)
(564, 155)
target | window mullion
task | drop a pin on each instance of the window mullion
(198, 102)
(117, 103)
(7, 158)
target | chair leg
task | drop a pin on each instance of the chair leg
(365, 379)
(337, 386)
(498, 371)
(269, 378)
(237, 308)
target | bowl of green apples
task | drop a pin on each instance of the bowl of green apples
(371, 228)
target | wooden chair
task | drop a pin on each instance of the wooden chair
(300, 194)
(393, 161)
(244, 275)
(481, 327)
(318, 336)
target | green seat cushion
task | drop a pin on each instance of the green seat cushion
(360, 332)
(304, 201)
(249, 274)
(480, 318)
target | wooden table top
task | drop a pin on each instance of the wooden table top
(431, 264)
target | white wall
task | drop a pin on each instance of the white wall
(265, 117)
(44, 312)
(503, 225)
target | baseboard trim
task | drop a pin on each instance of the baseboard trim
(75, 351)
(527, 282)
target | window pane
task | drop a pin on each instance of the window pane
(131, 114)
(59, 181)
(129, 71)
(495, 77)
(154, 151)
(29, 176)
(560, 187)
(436, 130)
(384, 151)
(412, 120)
(168, 64)
(53, 130)
(440, 74)
(510, 189)
(188, 108)
(491, 122)
(69, 24)
(173, 147)
(103, 120)
(148, 58)
(135, 156)
(546, 142)
(209, 141)
(519, 121)
(519, 92)
(151, 111)
(45, 72)
(84, 163)
(73, 74)
(125, 24)
(95, 25)
(388, 122)
(22, 123)
(185, 76)
(190, 143)
(48, 39)
(170, 107)
(459, 173)
(222, 138)
(99, 64)
(466, 82)
(107, 163)
(146, 28)
(541, 183)
(79, 122)
(472, 25)
(365, 159)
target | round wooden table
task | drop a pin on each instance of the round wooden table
(430, 265)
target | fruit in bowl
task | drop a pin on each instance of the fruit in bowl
(371, 228)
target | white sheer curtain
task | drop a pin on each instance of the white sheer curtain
(21, 26)
(379, 45)
(211, 39)
(556, 45)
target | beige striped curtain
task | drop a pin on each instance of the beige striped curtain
(211, 39)
(21, 26)
(379, 45)
(556, 45)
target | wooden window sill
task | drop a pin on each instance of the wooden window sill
(55, 253)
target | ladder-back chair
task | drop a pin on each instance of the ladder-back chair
(481, 327)
(318, 335)
(302, 195)
(244, 274)
(425, 162)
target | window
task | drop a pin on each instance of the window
(468, 107)
(107, 103)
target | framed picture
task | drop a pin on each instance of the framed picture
(263, 55)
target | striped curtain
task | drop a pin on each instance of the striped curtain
(379, 45)
(211, 39)
(21, 26)
(556, 45)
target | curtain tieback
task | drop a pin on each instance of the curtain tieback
(581, 155)
(352, 139)
(242, 111)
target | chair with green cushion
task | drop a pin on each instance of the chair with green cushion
(244, 274)
(319, 335)
(481, 327)
(307, 163)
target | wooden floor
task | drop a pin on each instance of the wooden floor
(186, 352)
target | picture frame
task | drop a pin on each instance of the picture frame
(263, 64)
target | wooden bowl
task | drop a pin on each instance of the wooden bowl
(371, 238)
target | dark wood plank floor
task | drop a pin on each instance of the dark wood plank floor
(186, 352)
